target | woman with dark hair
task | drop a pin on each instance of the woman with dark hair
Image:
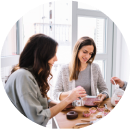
(28, 84)
(81, 71)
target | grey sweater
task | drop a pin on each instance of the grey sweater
(24, 93)
(63, 84)
(84, 79)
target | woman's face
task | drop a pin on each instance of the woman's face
(53, 59)
(85, 53)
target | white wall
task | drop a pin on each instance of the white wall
(121, 56)
(125, 61)
(117, 52)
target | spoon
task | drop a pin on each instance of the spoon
(116, 86)
(86, 123)
(79, 97)
(106, 106)
(114, 82)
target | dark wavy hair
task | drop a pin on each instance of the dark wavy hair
(38, 50)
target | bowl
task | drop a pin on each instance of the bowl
(106, 111)
(86, 113)
(100, 108)
(93, 110)
(90, 99)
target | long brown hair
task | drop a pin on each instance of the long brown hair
(38, 50)
(75, 62)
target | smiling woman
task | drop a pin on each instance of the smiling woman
(84, 52)
(27, 86)
(29, 82)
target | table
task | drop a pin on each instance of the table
(61, 121)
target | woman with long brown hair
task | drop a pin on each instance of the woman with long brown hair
(81, 71)
(28, 84)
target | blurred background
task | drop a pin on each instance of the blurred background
(66, 22)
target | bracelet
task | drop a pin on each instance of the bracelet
(105, 94)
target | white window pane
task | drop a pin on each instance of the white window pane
(5, 72)
(94, 28)
(85, 6)
(9, 47)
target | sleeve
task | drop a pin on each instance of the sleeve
(48, 100)
(101, 84)
(58, 86)
(35, 109)
(124, 87)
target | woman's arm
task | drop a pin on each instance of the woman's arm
(124, 85)
(59, 107)
(58, 87)
(52, 103)
(59, 93)
(75, 93)
(102, 85)
(63, 95)
(103, 90)
(118, 81)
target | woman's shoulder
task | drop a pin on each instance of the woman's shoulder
(22, 73)
(95, 66)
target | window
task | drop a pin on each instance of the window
(9, 47)
(94, 28)
(5, 72)
(9, 52)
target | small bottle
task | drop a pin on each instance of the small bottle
(79, 102)
(118, 93)
(84, 100)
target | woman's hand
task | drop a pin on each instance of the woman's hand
(117, 81)
(77, 92)
(101, 97)
(52, 103)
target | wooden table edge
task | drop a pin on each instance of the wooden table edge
(56, 123)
